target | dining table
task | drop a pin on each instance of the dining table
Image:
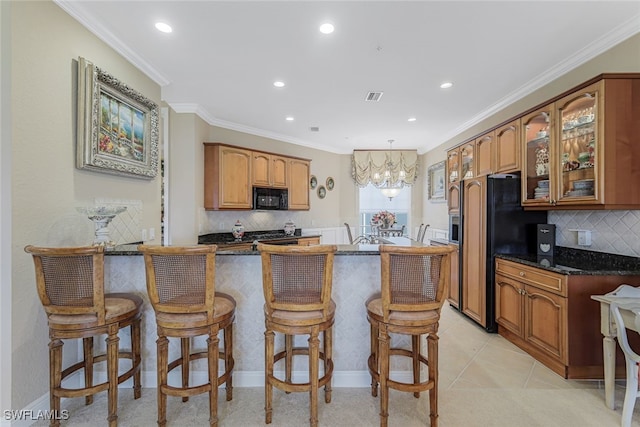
(625, 296)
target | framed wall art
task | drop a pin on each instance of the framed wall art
(436, 182)
(117, 126)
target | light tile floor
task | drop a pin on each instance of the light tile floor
(484, 381)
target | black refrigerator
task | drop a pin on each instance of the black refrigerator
(492, 222)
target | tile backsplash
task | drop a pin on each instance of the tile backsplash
(611, 231)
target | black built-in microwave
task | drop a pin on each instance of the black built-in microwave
(273, 199)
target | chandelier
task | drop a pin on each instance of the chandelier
(390, 183)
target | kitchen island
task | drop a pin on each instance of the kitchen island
(239, 273)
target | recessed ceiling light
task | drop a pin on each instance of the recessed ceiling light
(411, 119)
(278, 84)
(446, 85)
(326, 28)
(165, 28)
(289, 119)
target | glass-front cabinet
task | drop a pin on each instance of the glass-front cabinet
(538, 136)
(561, 151)
(577, 158)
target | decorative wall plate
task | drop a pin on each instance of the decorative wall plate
(330, 184)
(322, 192)
(313, 182)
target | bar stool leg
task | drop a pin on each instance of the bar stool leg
(288, 361)
(55, 378)
(112, 373)
(314, 350)
(415, 355)
(268, 366)
(374, 353)
(163, 354)
(383, 357)
(136, 358)
(213, 356)
(185, 350)
(328, 357)
(87, 348)
(432, 348)
(228, 358)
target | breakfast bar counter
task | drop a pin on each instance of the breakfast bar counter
(356, 276)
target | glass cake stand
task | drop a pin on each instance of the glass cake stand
(101, 217)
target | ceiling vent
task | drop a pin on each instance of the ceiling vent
(314, 129)
(373, 96)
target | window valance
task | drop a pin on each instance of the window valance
(370, 166)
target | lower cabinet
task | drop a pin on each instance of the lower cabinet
(552, 317)
(308, 241)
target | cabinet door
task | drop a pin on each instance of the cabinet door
(453, 198)
(538, 183)
(578, 158)
(474, 250)
(453, 165)
(546, 322)
(454, 288)
(227, 177)
(279, 169)
(298, 184)
(235, 170)
(484, 154)
(467, 160)
(510, 304)
(507, 148)
(261, 169)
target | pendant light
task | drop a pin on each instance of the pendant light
(389, 186)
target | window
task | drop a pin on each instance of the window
(372, 201)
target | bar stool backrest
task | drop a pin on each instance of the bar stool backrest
(414, 278)
(181, 279)
(70, 281)
(297, 278)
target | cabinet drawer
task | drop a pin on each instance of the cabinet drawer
(556, 283)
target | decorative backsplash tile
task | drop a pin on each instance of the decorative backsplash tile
(125, 227)
(611, 231)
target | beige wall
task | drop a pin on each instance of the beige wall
(46, 185)
(621, 58)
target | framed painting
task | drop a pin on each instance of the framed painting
(117, 126)
(436, 182)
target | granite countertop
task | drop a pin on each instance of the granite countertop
(572, 261)
(367, 249)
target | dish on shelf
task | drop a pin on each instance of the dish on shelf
(583, 184)
(579, 193)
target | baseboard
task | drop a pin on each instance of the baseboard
(40, 407)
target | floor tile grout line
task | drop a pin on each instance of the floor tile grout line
(468, 364)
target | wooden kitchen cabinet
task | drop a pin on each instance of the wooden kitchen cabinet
(299, 172)
(454, 288)
(453, 186)
(579, 151)
(551, 316)
(269, 170)
(474, 250)
(308, 241)
(507, 148)
(484, 154)
(227, 177)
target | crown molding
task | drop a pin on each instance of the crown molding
(590, 51)
(74, 9)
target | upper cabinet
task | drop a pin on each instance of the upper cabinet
(299, 173)
(466, 160)
(583, 150)
(507, 148)
(484, 154)
(269, 170)
(227, 173)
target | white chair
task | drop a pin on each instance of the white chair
(631, 357)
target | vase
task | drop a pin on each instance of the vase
(237, 230)
(289, 228)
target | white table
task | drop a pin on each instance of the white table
(631, 296)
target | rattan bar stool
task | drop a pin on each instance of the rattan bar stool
(181, 287)
(70, 283)
(414, 283)
(297, 284)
